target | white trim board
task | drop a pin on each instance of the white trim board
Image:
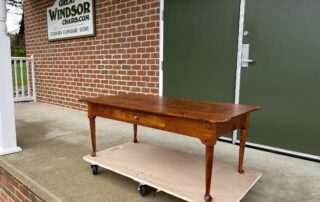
(239, 60)
(161, 24)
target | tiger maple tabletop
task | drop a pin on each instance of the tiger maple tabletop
(200, 119)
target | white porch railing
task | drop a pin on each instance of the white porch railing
(23, 79)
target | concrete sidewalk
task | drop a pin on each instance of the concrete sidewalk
(54, 140)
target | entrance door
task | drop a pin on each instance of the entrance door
(200, 49)
(285, 77)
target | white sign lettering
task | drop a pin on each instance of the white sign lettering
(71, 19)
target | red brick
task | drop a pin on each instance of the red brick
(14, 190)
(127, 33)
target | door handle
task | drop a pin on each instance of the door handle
(245, 56)
(248, 60)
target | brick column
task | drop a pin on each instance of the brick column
(8, 142)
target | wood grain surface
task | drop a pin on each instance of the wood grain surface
(213, 112)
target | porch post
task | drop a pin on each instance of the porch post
(8, 140)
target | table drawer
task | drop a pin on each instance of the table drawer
(139, 118)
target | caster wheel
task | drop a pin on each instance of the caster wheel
(143, 189)
(95, 169)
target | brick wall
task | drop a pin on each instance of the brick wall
(121, 58)
(13, 190)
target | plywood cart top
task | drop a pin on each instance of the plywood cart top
(177, 173)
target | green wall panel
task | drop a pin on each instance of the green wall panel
(200, 49)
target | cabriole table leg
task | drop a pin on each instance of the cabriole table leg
(243, 138)
(209, 162)
(93, 134)
(135, 128)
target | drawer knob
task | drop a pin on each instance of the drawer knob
(136, 118)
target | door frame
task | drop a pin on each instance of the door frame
(232, 140)
(239, 61)
(161, 40)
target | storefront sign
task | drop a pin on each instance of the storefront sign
(71, 19)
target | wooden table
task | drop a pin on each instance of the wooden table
(206, 121)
